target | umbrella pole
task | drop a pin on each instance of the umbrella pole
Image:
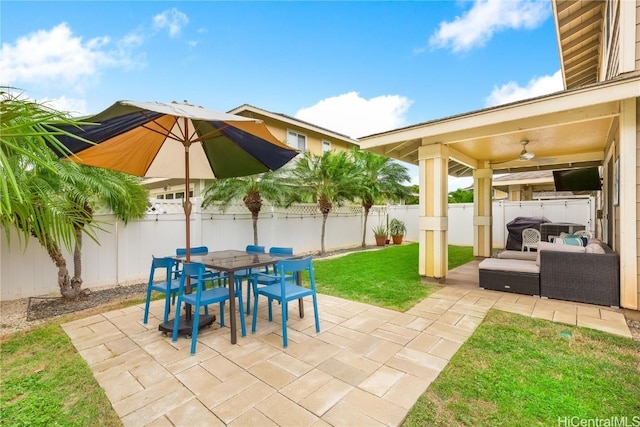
(186, 205)
(187, 326)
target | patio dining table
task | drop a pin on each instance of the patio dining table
(231, 261)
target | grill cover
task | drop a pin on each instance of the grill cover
(515, 227)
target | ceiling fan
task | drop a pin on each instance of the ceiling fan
(526, 156)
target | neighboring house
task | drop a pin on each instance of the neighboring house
(299, 134)
(593, 122)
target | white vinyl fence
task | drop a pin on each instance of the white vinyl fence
(124, 252)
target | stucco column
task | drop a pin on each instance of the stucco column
(433, 221)
(482, 215)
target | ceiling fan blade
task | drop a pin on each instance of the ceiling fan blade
(543, 160)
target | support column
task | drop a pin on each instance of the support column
(482, 215)
(629, 208)
(433, 221)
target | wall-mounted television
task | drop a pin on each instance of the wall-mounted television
(580, 179)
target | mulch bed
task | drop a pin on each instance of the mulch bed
(46, 307)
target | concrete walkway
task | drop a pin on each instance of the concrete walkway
(367, 367)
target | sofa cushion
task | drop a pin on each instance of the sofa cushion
(524, 255)
(546, 246)
(516, 265)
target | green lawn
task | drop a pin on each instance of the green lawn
(520, 371)
(45, 382)
(387, 278)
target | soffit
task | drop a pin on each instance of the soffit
(579, 27)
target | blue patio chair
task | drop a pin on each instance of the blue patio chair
(203, 297)
(210, 275)
(285, 290)
(267, 278)
(240, 275)
(169, 286)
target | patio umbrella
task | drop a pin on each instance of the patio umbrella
(175, 140)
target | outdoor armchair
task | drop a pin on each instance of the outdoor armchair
(268, 276)
(203, 297)
(209, 275)
(169, 286)
(530, 239)
(285, 290)
(240, 275)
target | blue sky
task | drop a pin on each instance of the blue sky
(354, 67)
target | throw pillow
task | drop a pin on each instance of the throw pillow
(594, 248)
(569, 240)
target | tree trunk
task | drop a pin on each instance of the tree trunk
(325, 206)
(254, 220)
(324, 223)
(76, 281)
(253, 201)
(367, 207)
(64, 282)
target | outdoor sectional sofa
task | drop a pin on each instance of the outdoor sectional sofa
(589, 274)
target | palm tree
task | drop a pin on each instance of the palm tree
(253, 189)
(25, 138)
(90, 187)
(461, 196)
(379, 179)
(49, 199)
(326, 179)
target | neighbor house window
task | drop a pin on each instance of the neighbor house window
(326, 146)
(297, 140)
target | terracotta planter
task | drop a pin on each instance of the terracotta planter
(397, 239)
(380, 240)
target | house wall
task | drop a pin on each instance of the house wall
(314, 139)
(637, 49)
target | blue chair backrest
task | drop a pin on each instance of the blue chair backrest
(193, 269)
(289, 266)
(276, 250)
(254, 248)
(197, 250)
(162, 262)
(167, 263)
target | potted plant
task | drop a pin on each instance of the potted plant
(380, 233)
(397, 229)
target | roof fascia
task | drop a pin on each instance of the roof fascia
(293, 122)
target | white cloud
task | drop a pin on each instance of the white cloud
(74, 106)
(485, 18)
(172, 19)
(54, 55)
(537, 86)
(355, 116)
(57, 58)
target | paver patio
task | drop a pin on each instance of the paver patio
(367, 367)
